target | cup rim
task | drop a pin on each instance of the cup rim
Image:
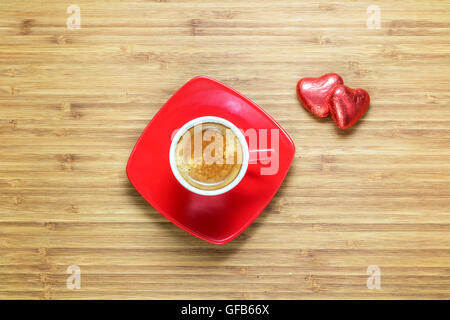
(245, 155)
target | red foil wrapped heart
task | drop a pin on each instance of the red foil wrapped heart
(348, 105)
(314, 92)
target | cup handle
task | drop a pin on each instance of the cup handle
(262, 156)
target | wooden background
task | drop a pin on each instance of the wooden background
(74, 102)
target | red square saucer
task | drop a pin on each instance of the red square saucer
(217, 219)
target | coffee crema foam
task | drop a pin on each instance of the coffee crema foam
(209, 156)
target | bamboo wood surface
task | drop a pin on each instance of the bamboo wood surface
(74, 102)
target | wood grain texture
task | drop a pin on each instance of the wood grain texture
(74, 102)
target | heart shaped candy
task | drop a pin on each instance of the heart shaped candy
(314, 92)
(348, 105)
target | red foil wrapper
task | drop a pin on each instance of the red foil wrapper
(348, 105)
(314, 92)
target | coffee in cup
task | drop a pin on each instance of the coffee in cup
(209, 156)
